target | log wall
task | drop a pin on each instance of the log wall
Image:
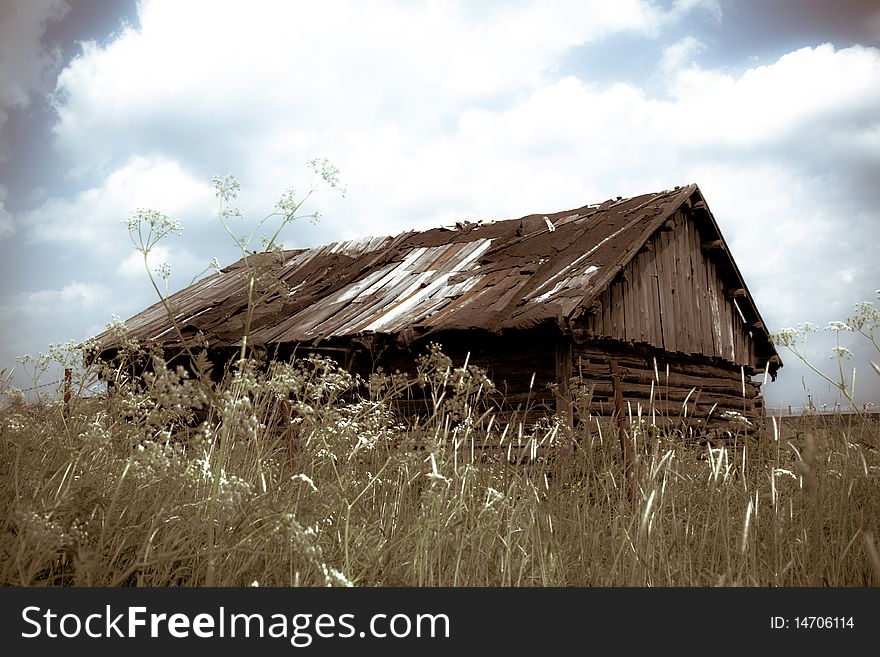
(666, 388)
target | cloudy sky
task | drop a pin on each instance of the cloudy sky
(435, 112)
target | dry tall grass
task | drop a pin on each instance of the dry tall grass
(130, 489)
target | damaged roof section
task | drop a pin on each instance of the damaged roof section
(490, 276)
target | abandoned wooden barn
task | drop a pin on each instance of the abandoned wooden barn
(638, 295)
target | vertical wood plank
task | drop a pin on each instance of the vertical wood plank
(679, 285)
(616, 312)
(654, 319)
(702, 285)
(698, 287)
(715, 309)
(686, 284)
(632, 333)
(606, 313)
(664, 265)
(674, 292)
(646, 319)
(681, 288)
(726, 319)
(710, 308)
(660, 328)
(692, 306)
(635, 293)
(738, 330)
(591, 324)
(718, 288)
(734, 333)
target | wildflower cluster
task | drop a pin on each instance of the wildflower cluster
(97, 435)
(864, 321)
(119, 335)
(328, 173)
(392, 386)
(42, 532)
(360, 427)
(226, 188)
(147, 227)
(291, 536)
(312, 381)
(306, 480)
(154, 460)
(174, 390)
(233, 491)
(454, 391)
(238, 416)
(15, 422)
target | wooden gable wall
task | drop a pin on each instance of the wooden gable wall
(671, 296)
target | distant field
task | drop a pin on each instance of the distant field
(785, 412)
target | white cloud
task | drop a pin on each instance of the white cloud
(92, 218)
(810, 95)
(223, 86)
(74, 295)
(31, 321)
(215, 73)
(183, 263)
(133, 265)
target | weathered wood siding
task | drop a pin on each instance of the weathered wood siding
(672, 297)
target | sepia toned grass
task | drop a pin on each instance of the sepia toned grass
(302, 475)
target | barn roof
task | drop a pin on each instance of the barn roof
(491, 276)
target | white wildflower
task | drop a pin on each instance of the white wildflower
(838, 326)
(436, 476)
(738, 418)
(163, 271)
(226, 188)
(786, 337)
(493, 496)
(778, 472)
(333, 577)
(15, 423)
(305, 478)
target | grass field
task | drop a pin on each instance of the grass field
(129, 489)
